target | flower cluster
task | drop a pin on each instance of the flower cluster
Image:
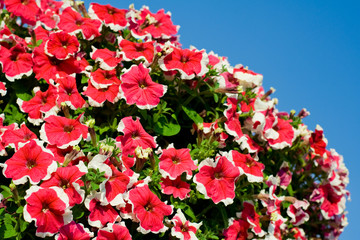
(110, 129)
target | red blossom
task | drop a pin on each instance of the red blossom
(49, 208)
(107, 59)
(177, 188)
(72, 22)
(149, 209)
(74, 231)
(15, 62)
(189, 63)
(68, 178)
(112, 17)
(174, 162)
(216, 179)
(114, 232)
(67, 93)
(139, 89)
(137, 50)
(184, 229)
(63, 131)
(61, 45)
(31, 162)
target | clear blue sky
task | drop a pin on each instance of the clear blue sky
(309, 51)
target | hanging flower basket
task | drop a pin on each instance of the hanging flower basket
(110, 129)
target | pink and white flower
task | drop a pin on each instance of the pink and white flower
(216, 179)
(112, 17)
(248, 166)
(61, 45)
(149, 210)
(177, 188)
(49, 208)
(31, 162)
(137, 50)
(107, 59)
(174, 162)
(63, 131)
(183, 229)
(189, 63)
(139, 89)
(116, 231)
(72, 231)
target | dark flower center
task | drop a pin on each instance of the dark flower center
(68, 128)
(184, 228)
(184, 59)
(27, 136)
(64, 183)
(79, 22)
(142, 84)
(140, 47)
(176, 159)
(30, 163)
(148, 207)
(218, 175)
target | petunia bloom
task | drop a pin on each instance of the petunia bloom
(112, 17)
(177, 188)
(149, 209)
(63, 131)
(139, 89)
(174, 162)
(114, 232)
(31, 162)
(184, 229)
(61, 45)
(216, 179)
(49, 208)
(73, 231)
(189, 63)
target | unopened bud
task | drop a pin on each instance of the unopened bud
(90, 123)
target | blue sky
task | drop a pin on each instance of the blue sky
(309, 51)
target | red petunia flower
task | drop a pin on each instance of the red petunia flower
(285, 134)
(216, 179)
(157, 25)
(296, 212)
(42, 105)
(63, 131)
(252, 217)
(61, 45)
(138, 88)
(49, 208)
(27, 10)
(100, 213)
(189, 63)
(15, 62)
(47, 67)
(174, 162)
(134, 136)
(97, 97)
(248, 166)
(12, 137)
(115, 187)
(318, 142)
(68, 93)
(247, 78)
(114, 232)
(112, 17)
(177, 188)
(136, 51)
(237, 230)
(108, 59)
(72, 22)
(3, 89)
(49, 19)
(68, 178)
(103, 78)
(149, 209)
(183, 229)
(31, 162)
(73, 231)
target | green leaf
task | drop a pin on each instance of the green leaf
(290, 190)
(188, 211)
(192, 114)
(167, 127)
(20, 209)
(23, 225)
(24, 96)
